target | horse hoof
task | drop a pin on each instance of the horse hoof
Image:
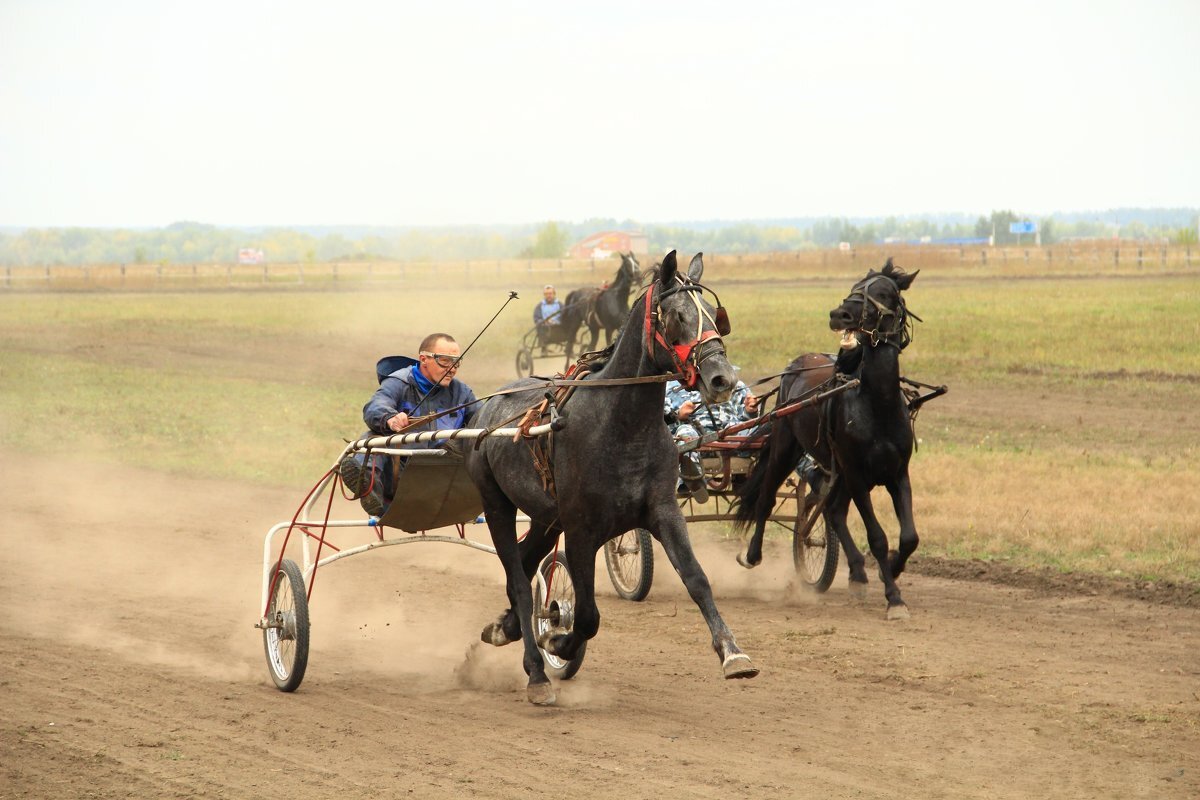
(745, 562)
(493, 634)
(540, 694)
(898, 611)
(738, 666)
(858, 590)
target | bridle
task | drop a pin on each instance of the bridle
(901, 323)
(686, 356)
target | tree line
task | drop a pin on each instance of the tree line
(198, 243)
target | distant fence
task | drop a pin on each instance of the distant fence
(528, 274)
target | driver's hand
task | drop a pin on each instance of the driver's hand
(686, 410)
(398, 422)
(751, 404)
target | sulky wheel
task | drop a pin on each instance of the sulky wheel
(814, 550)
(554, 609)
(524, 362)
(630, 561)
(285, 636)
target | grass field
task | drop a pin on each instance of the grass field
(1069, 438)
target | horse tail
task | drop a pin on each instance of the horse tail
(780, 452)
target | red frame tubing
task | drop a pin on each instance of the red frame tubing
(320, 539)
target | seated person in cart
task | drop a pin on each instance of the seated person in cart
(546, 316)
(689, 417)
(415, 389)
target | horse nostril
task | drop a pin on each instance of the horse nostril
(839, 317)
(721, 383)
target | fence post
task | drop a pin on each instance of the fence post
(335, 272)
(1026, 256)
(983, 257)
(47, 274)
(1162, 256)
(1049, 258)
(8, 276)
(1116, 256)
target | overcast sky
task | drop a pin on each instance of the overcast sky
(396, 113)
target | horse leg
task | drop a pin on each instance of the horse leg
(778, 467)
(901, 494)
(877, 540)
(837, 509)
(536, 544)
(671, 532)
(587, 615)
(501, 522)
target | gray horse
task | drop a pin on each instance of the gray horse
(614, 468)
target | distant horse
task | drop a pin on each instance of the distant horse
(613, 468)
(861, 438)
(601, 309)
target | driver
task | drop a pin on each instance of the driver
(425, 387)
(689, 417)
(547, 314)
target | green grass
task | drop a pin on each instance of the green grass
(1070, 437)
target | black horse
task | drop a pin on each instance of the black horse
(614, 469)
(861, 438)
(601, 309)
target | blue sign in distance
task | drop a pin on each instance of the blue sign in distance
(1022, 227)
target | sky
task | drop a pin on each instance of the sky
(257, 112)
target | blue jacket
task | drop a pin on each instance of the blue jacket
(545, 312)
(399, 391)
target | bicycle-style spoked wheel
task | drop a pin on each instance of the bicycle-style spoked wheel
(285, 636)
(814, 547)
(630, 561)
(554, 609)
(524, 362)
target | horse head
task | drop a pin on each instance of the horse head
(683, 330)
(875, 311)
(630, 269)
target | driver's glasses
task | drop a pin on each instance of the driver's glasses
(442, 360)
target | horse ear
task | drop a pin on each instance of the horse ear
(903, 280)
(696, 268)
(667, 276)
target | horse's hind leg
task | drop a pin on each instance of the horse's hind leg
(501, 521)
(781, 456)
(534, 547)
(587, 615)
(671, 532)
(837, 508)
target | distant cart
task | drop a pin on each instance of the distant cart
(551, 345)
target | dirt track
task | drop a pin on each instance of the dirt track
(130, 668)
